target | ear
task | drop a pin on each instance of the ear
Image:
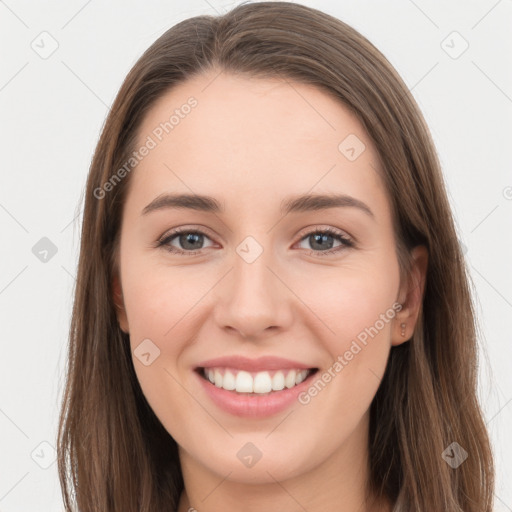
(411, 297)
(119, 304)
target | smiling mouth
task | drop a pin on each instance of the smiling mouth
(255, 383)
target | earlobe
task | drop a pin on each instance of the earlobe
(412, 297)
(119, 304)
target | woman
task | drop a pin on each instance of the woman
(272, 310)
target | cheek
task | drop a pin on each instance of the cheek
(156, 308)
(159, 316)
(350, 300)
(160, 300)
(356, 309)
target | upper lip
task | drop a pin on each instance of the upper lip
(259, 364)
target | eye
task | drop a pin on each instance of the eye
(188, 241)
(322, 241)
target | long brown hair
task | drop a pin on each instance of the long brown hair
(113, 452)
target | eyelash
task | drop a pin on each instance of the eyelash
(345, 241)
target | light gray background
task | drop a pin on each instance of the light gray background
(52, 110)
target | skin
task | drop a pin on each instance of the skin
(250, 143)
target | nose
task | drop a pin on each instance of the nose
(253, 301)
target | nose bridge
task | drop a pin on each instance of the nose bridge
(253, 279)
(253, 299)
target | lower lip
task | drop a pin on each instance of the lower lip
(253, 405)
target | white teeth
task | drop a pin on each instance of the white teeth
(278, 381)
(229, 381)
(218, 378)
(260, 382)
(289, 382)
(244, 382)
(300, 376)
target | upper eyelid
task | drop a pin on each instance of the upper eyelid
(319, 228)
(186, 229)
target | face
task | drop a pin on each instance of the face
(259, 289)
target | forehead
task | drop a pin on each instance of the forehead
(254, 137)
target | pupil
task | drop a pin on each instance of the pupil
(190, 238)
(321, 238)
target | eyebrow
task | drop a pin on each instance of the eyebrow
(302, 203)
(184, 201)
